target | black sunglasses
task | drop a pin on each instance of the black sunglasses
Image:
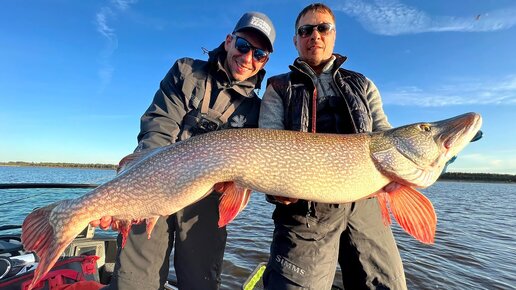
(243, 46)
(307, 30)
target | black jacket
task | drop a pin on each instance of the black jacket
(172, 115)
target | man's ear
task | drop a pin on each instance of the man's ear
(227, 43)
(294, 39)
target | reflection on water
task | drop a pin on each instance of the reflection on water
(474, 249)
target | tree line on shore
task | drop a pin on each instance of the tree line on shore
(478, 177)
(446, 176)
(60, 164)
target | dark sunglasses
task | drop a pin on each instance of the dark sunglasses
(243, 46)
(307, 30)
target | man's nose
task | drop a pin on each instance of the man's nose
(248, 57)
(315, 34)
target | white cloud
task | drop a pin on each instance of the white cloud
(486, 163)
(123, 4)
(102, 19)
(392, 17)
(102, 25)
(472, 92)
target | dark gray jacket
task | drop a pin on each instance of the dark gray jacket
(287, 102)
(175, 108)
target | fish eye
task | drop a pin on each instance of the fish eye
(425, 127)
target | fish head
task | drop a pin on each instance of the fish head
(416, 154)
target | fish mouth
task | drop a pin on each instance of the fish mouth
(462, 130)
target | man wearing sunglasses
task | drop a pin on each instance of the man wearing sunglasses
(317, 95)
(196, 97)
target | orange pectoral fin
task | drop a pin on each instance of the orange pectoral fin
(234, 199)
(414, 213)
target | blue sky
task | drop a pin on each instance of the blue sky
(75, 76)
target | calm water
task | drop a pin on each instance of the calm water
(475, 247)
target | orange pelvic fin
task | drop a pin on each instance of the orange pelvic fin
(383, 199)
(39, 236)
(123, 227)
(151, 222)
(414, 213)
(234, 199)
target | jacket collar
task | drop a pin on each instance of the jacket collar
(217, 59)
(304, 68)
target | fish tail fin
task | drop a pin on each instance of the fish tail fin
(233, 200)
(39, 236)
(414, 213)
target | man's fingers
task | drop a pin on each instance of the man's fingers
(286, 200)
(95, 223)
(105, 222)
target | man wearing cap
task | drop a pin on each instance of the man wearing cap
(196, 97)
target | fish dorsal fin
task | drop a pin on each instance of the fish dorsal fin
(133, 158)
(414, 213)
(233, 200)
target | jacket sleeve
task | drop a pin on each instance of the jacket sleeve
(271, 110)
(271, 116)
(160, 124)
(380, 122)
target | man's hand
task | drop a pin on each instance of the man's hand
(104, 223)
(284, 200)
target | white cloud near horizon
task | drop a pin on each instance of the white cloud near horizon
(392, 17)
(102, 19)
(472, 92)
(485, 163)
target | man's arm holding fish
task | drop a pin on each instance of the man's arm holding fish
(272, 117)
(380, 121)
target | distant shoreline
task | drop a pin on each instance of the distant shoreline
(449, 176)
(478, 177)
(59, 165)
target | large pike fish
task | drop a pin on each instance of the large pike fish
(324, 168)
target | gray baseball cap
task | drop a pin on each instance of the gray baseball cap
(260, 22)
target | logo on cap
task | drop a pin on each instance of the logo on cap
(261, 24)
